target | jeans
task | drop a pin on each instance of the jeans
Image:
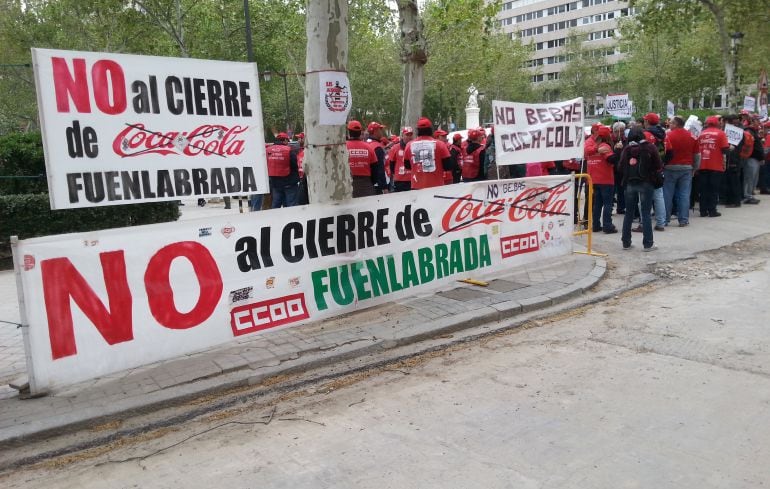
(285, 195)
(255, 202)
(676, 188)
(659, 204)
(709, 191)
(750, 177)
(636, 192)
(602, 211)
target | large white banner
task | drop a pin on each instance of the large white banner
(123, 129)
(111, 300)
(618, 105)
(529, 133)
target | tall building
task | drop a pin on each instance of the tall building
(547, 24)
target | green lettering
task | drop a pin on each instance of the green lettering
(471, 254)
(455, 257)
(360, 281)
(408, 270)
(378, 276)
(319, 288)
(425, 258)
(485, 257)
(394, 283)
(339, 277)
(442, 265)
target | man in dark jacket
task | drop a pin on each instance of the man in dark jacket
(640, 167)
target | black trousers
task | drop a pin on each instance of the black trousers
(709, 191)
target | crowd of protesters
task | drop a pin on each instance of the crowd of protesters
(643, 169)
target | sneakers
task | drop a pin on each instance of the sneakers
(651, 248)
(684, 224)
(611, 230)
(752, 200)
(626, 248)
(716, 214)
(660, 228)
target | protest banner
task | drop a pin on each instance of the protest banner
(618, 105)
(693, 125)
(734, 134)
(749, 103)
(124, 129)
(106, 301)
(670, 109)
(528, 133)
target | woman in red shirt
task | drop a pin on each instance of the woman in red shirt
(602, 173)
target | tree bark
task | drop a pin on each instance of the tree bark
(326, 156)
(725, 51)
(414, 55)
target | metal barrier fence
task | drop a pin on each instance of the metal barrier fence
(589, 222)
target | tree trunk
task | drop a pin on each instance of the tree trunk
(725, 51)
(414, 55)
(326, 156)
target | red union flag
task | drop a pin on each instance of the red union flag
(267, 314)
(518, 244)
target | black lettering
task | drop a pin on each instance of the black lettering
(112, 184)
(264, 247)
(131, 185)
(89, 142)
(141, 101)
(173, 85)
(147, 185)
(404, 224)
(292, 231)
(325, 236)
(231, 98)
(312, 251)
(188, 94)
(530, 113)
(346, 238)
(199, 96)
(154, 94)
(165, 187)
(217, 181)
(74, 140)
(245, 99)
(73, 186)
(247, 258)
(365, 231)
(215, 97)
(200, 181)
(249, 180)
(233, 179)
(182, 182)
(382, 225)
(422, 223)
(94, 186)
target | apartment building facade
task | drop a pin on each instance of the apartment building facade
(546, 24)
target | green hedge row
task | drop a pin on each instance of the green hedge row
(30, 215)
(22, 166)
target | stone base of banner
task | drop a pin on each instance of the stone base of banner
(472, 117)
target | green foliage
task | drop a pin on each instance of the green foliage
(21, 155)
(30, 215)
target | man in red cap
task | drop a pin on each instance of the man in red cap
(426, 157)
(364, 165)
(678, 163)
(283, 171)
(402, 176)
(374, 129)
(713, 146)
(441, 135)
(602, 171)
(473, 158)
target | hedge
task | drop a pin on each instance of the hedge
(22, 166)
(30, 215)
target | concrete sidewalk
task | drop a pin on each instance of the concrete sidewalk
(256, 358)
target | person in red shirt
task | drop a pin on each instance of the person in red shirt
(441, 135)
(679, 160)
(402, 176)
(713, 147)
(456, 153)
(364, 165)
(426, 157)
(473, 158)
(375, 141)
(304, 197)
(602, 171)
(283, 171)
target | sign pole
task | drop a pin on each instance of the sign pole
(17, 260)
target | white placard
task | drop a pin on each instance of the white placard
(125, 129)
(763, 111)
(693, 125)
(734, 134)
(335, 98)
(670, 109)
(618, 105)
(749, 103)
(111, 300)
(529, 133)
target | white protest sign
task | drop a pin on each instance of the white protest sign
(529, 133)
(749, 103)
(116, 299)
(618, 105)
(763, 111)
(734, 134)
(693, 125)
(335, 98)
(670, 109)
(124, 129)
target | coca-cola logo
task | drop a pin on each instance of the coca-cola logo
(206, 140)
(534, 202)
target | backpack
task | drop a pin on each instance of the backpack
(748, 145)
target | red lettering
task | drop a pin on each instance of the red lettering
(61, 281)
(518, 244)
(161, 296)
(108, 78)
(67, 87)
(271, 313)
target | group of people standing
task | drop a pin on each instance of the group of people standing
(381, 164)
(647, 167)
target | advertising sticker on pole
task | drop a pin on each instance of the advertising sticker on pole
(335, 98)
(111, 300)
(126, 129)
(529, 133)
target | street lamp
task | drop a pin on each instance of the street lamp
(267, 76)
(735, 41)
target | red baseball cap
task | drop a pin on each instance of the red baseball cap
(394, 138)
(301, 135)
(604, 132)
(407, 130)
(373, 126)
(652, 118)
(712, 120)
(355, 126)
(282, 135)
(424, 123)
(473, 134)
(440, 132)
(457, 137)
